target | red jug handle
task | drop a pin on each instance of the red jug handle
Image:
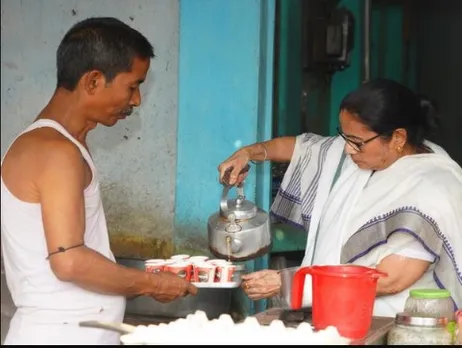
(298, 285)
(377, 274)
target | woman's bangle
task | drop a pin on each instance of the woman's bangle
(266, 154)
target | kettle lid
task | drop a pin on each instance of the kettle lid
(240, 207)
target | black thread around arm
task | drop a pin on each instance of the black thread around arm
(62, 249)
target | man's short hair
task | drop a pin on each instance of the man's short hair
(100, 43)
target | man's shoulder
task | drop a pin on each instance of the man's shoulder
(49, 140)
(36, 156)
(43, 145)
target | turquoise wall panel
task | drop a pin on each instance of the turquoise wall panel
(225, 102)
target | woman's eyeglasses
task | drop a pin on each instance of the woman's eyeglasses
(356, 145)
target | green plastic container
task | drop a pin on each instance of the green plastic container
(432, 294)
(431, 303)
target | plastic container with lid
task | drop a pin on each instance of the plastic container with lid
(431, 303)
(419, 330)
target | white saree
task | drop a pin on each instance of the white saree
(365, 216)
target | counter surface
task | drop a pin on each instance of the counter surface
(376, 336)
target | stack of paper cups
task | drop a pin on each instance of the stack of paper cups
(180, 268)
(224, 271)
(154, 265)
(204, 272)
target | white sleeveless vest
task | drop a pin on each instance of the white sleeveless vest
(49, 310)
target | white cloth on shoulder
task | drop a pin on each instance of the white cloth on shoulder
(361, 217)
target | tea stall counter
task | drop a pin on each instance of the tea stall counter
(377, 333)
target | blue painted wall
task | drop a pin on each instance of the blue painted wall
(225, 98)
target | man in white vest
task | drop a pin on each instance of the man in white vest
(59, 266)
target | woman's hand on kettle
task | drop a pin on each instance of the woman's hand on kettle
(235, 164)
(261, 284)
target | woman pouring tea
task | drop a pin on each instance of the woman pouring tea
(378, 194)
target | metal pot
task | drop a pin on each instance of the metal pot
(283, 299)
(239, 231)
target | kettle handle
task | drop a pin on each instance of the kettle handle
(224, 196)
(224, 199)
(225, 179)
(298, 286)
(240, 188)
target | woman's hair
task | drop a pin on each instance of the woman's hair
(385, 105)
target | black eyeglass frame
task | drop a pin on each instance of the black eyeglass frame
(356, 145)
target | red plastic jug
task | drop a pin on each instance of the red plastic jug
(343, 297)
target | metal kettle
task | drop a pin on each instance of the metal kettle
(239, 231)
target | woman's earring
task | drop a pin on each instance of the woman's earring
(399, 149)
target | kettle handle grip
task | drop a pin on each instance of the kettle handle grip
(226, 175)
(298, 286)
(240, 188)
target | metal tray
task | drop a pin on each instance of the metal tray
(230, 285)
(213, 301)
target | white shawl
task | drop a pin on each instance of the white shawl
(420, 195)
